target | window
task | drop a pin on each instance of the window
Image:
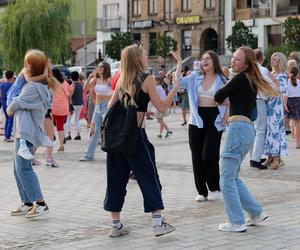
(210, 4)
(152, 38)
(136, 37)
(152, 7)
(169, 9)
(136, 7)
(186, 5)
(111, 16)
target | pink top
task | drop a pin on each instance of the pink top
(60, 105)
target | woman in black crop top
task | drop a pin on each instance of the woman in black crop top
(142, 89)
(241, 92)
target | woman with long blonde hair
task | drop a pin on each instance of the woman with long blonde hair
(276, 143)
(135, 87)
(241, 90)
(29, 109)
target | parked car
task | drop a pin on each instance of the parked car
(80, 69)
(63, 69)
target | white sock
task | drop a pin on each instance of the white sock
(157, 220)
(116, 223)
(23, 143)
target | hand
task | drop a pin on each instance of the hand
(177, 56)
(9, 112)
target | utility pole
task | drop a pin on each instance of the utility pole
(85, 38)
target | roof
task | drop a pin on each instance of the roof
(77, 43)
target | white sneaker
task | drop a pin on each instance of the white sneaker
(25, 153)
(228, 227)
(37, 210)
(22, 210)
(117, 232)
(46, 142)
(252, 220)
(164, 228)
(215, 195)
(200, 198)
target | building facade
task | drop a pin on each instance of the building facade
(196, 25)
(264, 17)
(111, 17)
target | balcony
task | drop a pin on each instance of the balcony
(109, 24)
(245, 14)
(288, 10)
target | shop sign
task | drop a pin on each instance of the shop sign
(142, 24)
(187, 20)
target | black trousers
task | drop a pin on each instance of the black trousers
(205, 148)
(142, 163)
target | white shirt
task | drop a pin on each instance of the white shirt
(293, 91)
(265, 74)
(161, 92)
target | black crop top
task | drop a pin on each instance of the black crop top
(141, 98)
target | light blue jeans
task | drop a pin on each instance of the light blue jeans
(27, 180)
(98, 116)
(260, 126)
(238, 140)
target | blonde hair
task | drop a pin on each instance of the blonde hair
(39, 62)
(282, 62)
(256, 80)
(131, 68)
(291, 63)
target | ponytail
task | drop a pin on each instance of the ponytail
(293, 75)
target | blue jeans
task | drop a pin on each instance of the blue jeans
(26, 178)
(99, 114)
(238, 140)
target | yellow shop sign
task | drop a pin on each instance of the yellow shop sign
(187, 19)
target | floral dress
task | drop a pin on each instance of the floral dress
(276, 143)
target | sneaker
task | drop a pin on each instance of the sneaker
(168, 134)
(77, 138)
(164, 228)
(46, 142)
(36, 162)
(159, 136)
(253, 220)
(85, 159)
(9, 140)
(37, 210)
(228, 227)
(200, 198)
(215, 195)
(258, 165)
(51, 163)
(117, 232)
(22, 210)
(25, 153)
(61, 149)
(184, 123)
(67, 138)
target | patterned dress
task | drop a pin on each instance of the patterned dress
(276, 143)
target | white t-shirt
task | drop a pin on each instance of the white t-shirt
(161, 92)
(293, 91)
(265, 74)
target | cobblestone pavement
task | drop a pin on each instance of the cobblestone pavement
(75, 193)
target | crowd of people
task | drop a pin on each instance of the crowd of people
(254, 107)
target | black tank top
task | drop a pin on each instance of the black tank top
(141, 98)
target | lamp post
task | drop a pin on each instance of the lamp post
(85, 38)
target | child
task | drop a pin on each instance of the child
(14, 91)
(159, 115)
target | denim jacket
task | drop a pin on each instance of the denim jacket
(191, 83)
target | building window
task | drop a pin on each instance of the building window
(152, 7)
(210, 4)
(111, 16)
(152, 49)
(186, 5)
(169, 9)
(136, 7)
(136, 37)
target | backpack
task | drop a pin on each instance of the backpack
(119, 129)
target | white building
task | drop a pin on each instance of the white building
(112, 15)
(264, 17)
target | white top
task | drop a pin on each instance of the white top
(265, 74)
(293, 91)
(210, 93)
(161, 92)
(102, 89)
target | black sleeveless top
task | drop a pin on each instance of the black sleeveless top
(141, 98)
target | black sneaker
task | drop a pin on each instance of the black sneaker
(168, 134)
(262, 160)
(77, 138)
(68, 138)
(258, 165)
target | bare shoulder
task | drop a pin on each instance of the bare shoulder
(149, 81)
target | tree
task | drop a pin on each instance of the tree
(164, 45)
(119, 41)
(241, 35)
(38, 24)
(291, 36)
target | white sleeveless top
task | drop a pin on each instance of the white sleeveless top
(102, 89)
(210, 93)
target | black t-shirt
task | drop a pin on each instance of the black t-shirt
(241, 96)
(77, 97)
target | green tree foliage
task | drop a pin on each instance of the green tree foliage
(119, 41)
(164, 45)
(241, 35)
(39, 24)
(291, 36)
